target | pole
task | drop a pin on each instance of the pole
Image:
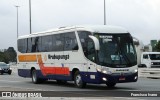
(104, 12)
(30, 16)
(17, 20)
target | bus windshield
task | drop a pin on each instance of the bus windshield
(116, 50)
(154, 56)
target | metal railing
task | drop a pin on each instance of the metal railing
(149, 72)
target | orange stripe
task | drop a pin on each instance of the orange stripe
(27, 58)
(52, 70)
(55, 70)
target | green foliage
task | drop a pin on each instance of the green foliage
(157, 47)
(8, 55)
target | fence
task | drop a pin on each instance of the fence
(149, 72)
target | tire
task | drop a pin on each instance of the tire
(1, 73)
(35, 79)
(78, 80)
(110, 84)
(9, 72)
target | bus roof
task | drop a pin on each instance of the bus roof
(91, 28)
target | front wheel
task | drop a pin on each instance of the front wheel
(110, 84)
(78, 80)
(9, 72)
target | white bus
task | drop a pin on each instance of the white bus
(83, 54)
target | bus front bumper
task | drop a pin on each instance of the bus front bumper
(100, 78)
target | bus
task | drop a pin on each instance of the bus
(98, 54)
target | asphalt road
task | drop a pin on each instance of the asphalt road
(15, 83)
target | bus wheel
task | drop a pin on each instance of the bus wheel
(110, 84)
(78, 80)
(35, 79)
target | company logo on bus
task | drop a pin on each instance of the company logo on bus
(58, 57)
(122, 69)
(120, 65)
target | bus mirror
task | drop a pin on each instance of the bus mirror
(96, 42)
(136, 43)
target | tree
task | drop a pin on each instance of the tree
(8, 55)
(157, 47)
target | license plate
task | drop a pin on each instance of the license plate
(122, 79)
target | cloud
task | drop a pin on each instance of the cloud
(140, 17)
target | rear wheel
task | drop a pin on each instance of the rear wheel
(35, 79)
(78, 80)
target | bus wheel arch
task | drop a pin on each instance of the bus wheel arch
(34, 76)
(73, 72)
(33, 68)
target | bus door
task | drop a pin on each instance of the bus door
(91, 55)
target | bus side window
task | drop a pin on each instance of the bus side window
(84, 36)
(39, 46)
(29, 45)
(33, 48)
(22, 45)
(35, 42)
(59, 42)
(70, 42)
(46, 43)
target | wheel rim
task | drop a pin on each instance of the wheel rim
(78, 80)
(34, 76)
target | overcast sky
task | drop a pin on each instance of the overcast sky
(140, 17)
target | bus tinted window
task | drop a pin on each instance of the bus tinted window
(22, 45)
(39, 43)
(59, 42)
(29, 45)
(84, 35)
(46, 43)
(35, 44)
(70, 42)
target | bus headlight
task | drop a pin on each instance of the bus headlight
(136, 70)
(98, 69)
(104, 71)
